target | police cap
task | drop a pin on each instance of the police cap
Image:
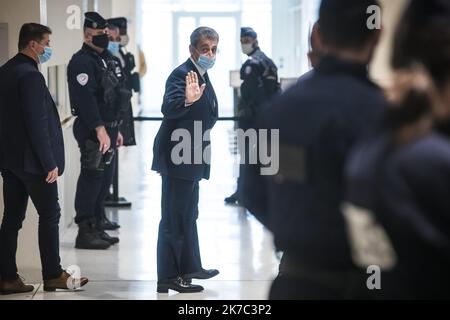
(121, 23)
(248, 32)
(94, 20)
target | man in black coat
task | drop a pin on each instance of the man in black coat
(31, 158)
(319, 121)
(190, 110)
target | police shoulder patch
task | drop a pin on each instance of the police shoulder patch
(83, 79)
(248, 70)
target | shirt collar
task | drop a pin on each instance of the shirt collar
(257, 49)
(28, 59)
(200, 69)
(332, 64)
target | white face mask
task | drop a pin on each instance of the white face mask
(247, 48)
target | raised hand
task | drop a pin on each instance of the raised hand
(193, 91)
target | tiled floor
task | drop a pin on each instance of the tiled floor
(230, 239)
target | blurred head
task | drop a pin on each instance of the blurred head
(113, 33)
(415, 104)
(423, 36)
(122, 24)
(114, 39)
(203, 47)
(343, 27)
(316, 50)
(34, 41)
(249, 40)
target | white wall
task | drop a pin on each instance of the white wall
(293, 18)
(291, 21)
(15, 13)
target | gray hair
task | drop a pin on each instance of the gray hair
(203, 32)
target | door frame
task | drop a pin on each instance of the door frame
(198, 15)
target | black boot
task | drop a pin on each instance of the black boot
(107, 225)
(108, 238)
(89, 238)
(104, 236)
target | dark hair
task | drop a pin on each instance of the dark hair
(203, 32)
(343, 23)
(423, 35)
(32, 32)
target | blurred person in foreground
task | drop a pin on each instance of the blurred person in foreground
(319, 121)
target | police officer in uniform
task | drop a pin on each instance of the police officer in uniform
(260, 83)
(319, 121)
(131, 79)
(98, 101)
(117, 30)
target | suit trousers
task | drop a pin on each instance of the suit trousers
(18, 186)
(178, 251)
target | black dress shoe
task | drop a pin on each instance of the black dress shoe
(233, 199)
(178, 284)
(202, 275)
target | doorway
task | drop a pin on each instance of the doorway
(228, 55)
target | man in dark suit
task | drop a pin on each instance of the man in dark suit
(31, 159)
(190, 107)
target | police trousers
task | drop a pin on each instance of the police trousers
(93, 185)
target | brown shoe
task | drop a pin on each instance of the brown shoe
(64, 282)
(14, 287)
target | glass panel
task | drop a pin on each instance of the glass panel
(185, 27)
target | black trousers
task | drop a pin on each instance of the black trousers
(178, 248)
(244, 124)
(93, 185)
(18, 186)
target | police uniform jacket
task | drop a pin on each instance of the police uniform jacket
(84, 72)
(319, 120)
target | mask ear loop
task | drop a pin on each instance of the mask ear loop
(34, 51)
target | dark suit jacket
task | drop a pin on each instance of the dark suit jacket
(178, 116)
(31, 137)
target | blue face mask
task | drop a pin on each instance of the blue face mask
(114, 47)
(205, 62)
(43, 58)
